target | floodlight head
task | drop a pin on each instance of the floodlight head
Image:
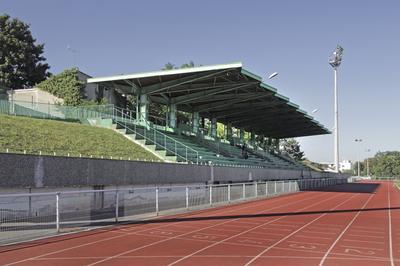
(273, 75)
(314, 111)
(336, 57)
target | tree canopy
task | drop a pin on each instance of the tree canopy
(292, 148)
(385, 164)
(21, 61)
(169, 65)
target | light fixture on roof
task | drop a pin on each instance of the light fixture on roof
(273, 75)
(335, 60)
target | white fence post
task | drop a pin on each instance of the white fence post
(255, 189)
(157, 201)
(244, 190)
(211, 195)
(116, 205)
(275, 187)
(58, 212)
(187, 198)
(229, 193)
(266, 188)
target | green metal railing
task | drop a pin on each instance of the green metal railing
(55, 111)
(127, 120)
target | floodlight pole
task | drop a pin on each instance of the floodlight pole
(335, 61)
(336, 131)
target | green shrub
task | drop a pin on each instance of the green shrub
(65, 86)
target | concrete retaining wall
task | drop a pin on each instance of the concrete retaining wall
(17, 170)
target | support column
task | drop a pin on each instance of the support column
(172, 116)
(252, 136)
(241, 135)
(214, 127)
(276, 144)
(195, 122)
(143, 107)
(229, 131)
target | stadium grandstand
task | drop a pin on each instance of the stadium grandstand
(227, 94)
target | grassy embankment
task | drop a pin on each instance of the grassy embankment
(34, 136)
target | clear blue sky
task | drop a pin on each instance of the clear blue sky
(294, 38)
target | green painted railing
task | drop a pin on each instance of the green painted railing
(127, 120)
(55, 111)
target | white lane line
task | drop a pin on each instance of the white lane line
(162, 226)
(298, 230)
(390, 229)
(344, 231)
(244, 232)
(215, 256)
(161, 241)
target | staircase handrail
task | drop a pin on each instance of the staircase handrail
(122, 113)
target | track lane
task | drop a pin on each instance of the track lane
(169, 244)
(299, 242)
(371, 222)
(104, 238)
(224, 246)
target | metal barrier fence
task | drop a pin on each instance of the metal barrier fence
(32, 215)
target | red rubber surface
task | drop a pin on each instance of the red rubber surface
(345, 225)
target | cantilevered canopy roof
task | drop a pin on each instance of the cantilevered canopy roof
(227, 92)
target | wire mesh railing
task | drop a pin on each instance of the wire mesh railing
(33, 215)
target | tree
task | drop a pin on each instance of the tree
(169, 66)
(385, 164)
(21, 61)
(292, 148)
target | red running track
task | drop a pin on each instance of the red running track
(352, 224)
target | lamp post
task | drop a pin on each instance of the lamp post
(358, 160)
(335, 61)
(273, 75)
(367, 151)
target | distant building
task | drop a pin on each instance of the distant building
(33, 95)
(345, 165)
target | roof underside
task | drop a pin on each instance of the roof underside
(226, 92)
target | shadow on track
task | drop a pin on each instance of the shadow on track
(350, 188)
